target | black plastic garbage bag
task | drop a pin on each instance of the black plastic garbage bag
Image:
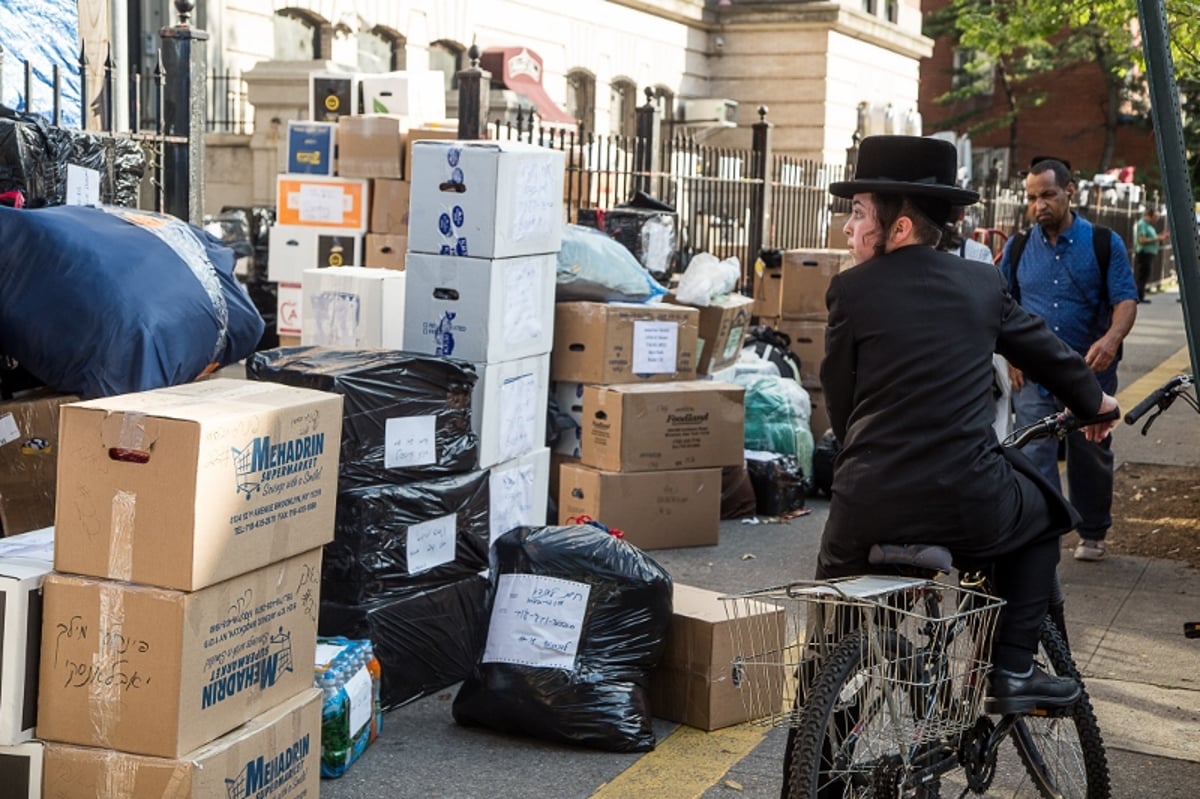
(578, 617)
(780, 485)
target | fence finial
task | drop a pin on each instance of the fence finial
(762, 113)
(184, 9)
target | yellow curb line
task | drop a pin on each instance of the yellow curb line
(685, 764)
(1179, 363)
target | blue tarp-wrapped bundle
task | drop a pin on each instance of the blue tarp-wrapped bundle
(106, 300)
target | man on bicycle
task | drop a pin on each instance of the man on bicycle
(908, 380)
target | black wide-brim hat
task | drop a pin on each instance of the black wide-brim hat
(916, 166)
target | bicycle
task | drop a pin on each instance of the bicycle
(885, 690)
(1159, 400)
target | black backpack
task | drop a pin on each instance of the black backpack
(774, 346)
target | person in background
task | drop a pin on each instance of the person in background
(1060, 280)
(1145, 248)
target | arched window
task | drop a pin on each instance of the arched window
(581, 97)
(297, 35)
(622, 107)
(380, 50)
(449, 57)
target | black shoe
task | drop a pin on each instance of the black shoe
(1010, 694)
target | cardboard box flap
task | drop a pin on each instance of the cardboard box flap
(205, 400)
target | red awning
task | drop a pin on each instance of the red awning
(519, 69)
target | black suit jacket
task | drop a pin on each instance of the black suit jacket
(908, 381)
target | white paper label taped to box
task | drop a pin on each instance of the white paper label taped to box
(536, 621)
(321, 203)
(537, 209)
(9, 432)
(83, 186)
(522, 300)
(362, 700)
(409, 441)
(519, 411)
(431, 543)
(512, 500)
(655, 347)
(335, 318)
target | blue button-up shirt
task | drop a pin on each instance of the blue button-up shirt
(1061, 283)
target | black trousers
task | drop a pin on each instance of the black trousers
(1144, 262)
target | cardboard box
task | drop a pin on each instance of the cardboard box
(654, 426)
(332, 94)
(723, 326)
(336, 204)
(24, 561)
(429, 131)
(420, 96)
(289, 313)
(479, 310)
(694, 681)
(371, 146)
(808, 343)
(796, 290)
(21, 770)
(818, 423)
(568, 400)
(508, 408)
(295, 248)
(29, 461)
(389, 206)
(156, 672)
(557, 460)
(311, 147)
(385, 250)
(519, 490)
(655, 510)
(354, 307)
(186, 486)
(277, 754)
(485, 199)
(617, 342)
(837, 239)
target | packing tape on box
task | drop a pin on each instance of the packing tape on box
(120, 775)
(104, 691)
(120, 542)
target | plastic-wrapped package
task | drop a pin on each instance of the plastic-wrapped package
(424, 641)
(106, 300)
(706, 279)
(591, 266)
(391, 539)
(348, 674)
(777, 414)
(577, 618)
(824, 455)
(24, 158)
(406, 416)
(780, 486)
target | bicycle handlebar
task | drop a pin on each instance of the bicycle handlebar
(1056, 425)
(1166, 392)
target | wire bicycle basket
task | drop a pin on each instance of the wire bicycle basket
(924, 642)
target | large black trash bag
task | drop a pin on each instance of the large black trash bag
(577, 618)
(105, 300)
(387, 536)
(383, 389)
(780, 486)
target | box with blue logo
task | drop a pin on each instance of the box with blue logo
(485, 199)
(187, 486)
(311, 147)
(276, 754)
(155, 672)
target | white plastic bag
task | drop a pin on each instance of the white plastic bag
(706, 278)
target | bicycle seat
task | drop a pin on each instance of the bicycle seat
(918, 556)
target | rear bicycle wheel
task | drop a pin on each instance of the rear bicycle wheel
(854, 737)
(1063, 753)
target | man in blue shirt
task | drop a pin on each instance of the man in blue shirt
(1060, 281)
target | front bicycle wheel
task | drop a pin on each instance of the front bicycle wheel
(855, 736)
(1063, 753)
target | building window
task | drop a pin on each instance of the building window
(622, 107)
(581, 98)
(892, 10)
(972, 73)
(448, 57)
(297, 36)
(380, 50)
(871, 7)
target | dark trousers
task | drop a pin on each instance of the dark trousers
(1145, 262)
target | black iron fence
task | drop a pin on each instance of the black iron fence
(730, 202)
(229, 109)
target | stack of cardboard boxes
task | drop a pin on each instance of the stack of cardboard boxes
(651, 439)
(180, 623)
(791, 299)
(28, 460)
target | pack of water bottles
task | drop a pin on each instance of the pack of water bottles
(348, 674)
